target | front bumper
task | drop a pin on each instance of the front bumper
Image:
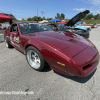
(85, 62)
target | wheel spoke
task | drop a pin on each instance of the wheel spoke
(34, 54)
(38, 61)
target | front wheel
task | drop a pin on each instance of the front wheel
(35, 59)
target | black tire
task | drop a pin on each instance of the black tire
(41, 63)
(7, 43)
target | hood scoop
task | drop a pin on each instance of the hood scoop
(72, 40)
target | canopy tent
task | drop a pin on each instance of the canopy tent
(44, 21)
(63, 21)
(4, 17)
(54, 20)
(79, 23)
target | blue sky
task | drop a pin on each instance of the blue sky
(28, 8)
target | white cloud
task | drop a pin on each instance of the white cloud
(94, 8)
(94, 11)
(79, 9)
(94, 2)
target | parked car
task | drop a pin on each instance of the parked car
(92, 25)
(82, 26)
(72, 27)
(89, 27)
(65, 52)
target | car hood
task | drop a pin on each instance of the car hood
(60, 40)
(76, 18)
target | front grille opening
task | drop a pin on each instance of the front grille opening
(87, 66)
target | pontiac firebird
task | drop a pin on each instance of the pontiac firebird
(64, 52)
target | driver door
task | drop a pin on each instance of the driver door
(14, 36)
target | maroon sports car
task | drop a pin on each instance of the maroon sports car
(65, 52)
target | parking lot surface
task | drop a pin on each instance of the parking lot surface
(16, 75)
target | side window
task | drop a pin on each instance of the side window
(29, 27)
(13, 28)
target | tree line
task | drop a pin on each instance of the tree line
(62, 16)
(35, 18)
(91, 16)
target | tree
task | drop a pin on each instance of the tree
(58, 16)
(44, 18)
(49, 18)
(89, 16)
(29, 19)
(23, 19)
(39, 18)
(62, 16)
(35, 18)
(97, 16)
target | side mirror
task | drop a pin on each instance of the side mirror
(14, 33)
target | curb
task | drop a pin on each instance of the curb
(1, 38)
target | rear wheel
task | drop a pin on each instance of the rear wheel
(35, 59)
(7, 44)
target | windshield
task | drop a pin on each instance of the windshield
(52, 26)
(32, 27)
(61, 25)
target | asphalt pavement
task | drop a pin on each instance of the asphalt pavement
(16, 75)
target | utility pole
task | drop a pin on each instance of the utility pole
(42, 13)
(37, 15)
